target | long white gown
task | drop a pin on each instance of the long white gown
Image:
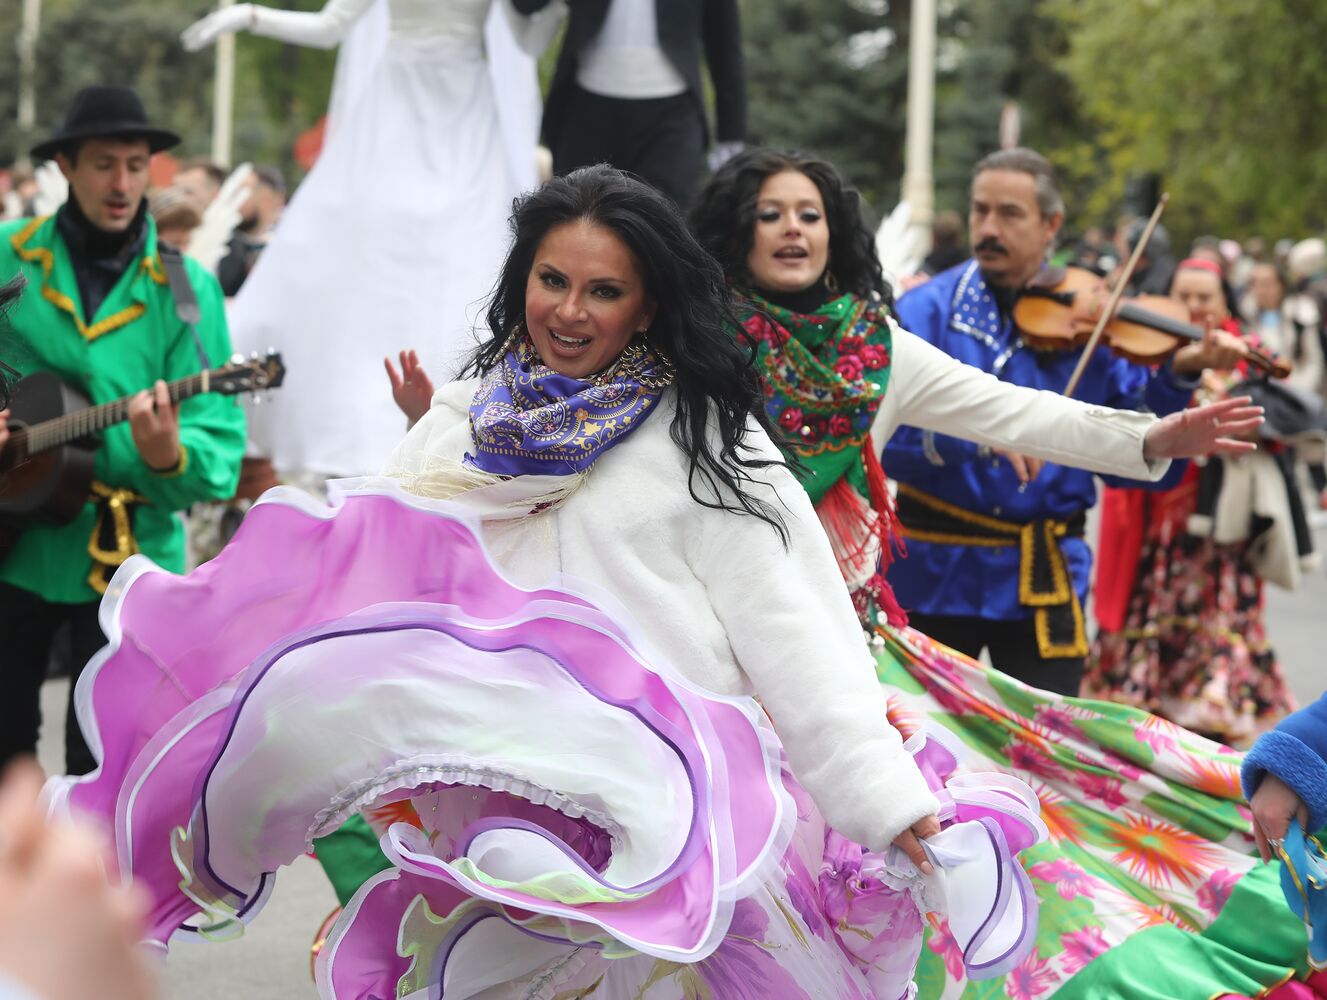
(396, 236)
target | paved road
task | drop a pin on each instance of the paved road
(271, 960)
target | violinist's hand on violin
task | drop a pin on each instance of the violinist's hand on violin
(1218, 349)
(1025, 467)
(1212, 429)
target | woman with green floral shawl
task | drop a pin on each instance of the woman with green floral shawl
(1148, 888)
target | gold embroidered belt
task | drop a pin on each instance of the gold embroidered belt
(1044, 581)
(112, 540)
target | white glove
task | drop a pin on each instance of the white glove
(207, 30)
(722, 153)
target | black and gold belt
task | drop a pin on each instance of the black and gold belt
(112, 540)
(1044, 581)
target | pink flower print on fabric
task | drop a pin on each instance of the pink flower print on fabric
(1101, 788)
(850, 367)
(1081, 947)
(1213, 894)
(740, 969)
(1157, 733)
(1069, 879)
(1023, 757)
(1127, 771)
(854, 900)
(874, 356)
(1034, 978)
(791, 419)
(942, 942)
(804, 894)
(1057, 718)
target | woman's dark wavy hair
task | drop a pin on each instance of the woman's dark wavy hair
(694, 326)
(723, 217)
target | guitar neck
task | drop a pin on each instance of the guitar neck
(48, 434)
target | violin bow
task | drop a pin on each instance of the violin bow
(1116, 294)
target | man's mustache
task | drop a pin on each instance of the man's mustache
(990, 244)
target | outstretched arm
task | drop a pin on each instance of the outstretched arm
(322, 29)
(929, 389)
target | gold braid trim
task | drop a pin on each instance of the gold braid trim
(1009, 533)
(43, 257)
(117, 502)
(177, 469)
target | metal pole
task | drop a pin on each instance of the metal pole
(918, 184)
(27, 77)
(223, 97)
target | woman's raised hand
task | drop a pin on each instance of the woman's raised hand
(411, 387)
(1219, 428)
(207, 30)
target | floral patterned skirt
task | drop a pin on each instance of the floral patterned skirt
(1148, 887)
(1194, 647)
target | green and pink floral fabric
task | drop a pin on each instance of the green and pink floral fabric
(1147, 885)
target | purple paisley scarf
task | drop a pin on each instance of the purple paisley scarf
(526, 419)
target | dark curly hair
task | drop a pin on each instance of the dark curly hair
(716, 381)
(723, 217)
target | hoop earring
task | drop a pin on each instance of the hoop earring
(831, 282)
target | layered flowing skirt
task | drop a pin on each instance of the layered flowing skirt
(560, 814)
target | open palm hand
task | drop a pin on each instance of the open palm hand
(1220, 428)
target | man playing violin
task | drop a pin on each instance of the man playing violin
(997, 558)
(99, 313)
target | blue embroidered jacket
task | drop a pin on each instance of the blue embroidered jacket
(957, 312)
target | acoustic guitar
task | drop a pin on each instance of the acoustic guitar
(46, 466)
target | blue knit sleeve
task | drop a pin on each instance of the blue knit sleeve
(1296, 752)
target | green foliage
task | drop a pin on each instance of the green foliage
(280, 89)
(1225, 103)
(830, 76)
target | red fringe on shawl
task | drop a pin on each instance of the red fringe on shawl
(842, 515)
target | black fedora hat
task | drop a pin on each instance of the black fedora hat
(105, 112)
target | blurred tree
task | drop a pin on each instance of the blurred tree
(1225, 103)
(280, 89)
(84, 42)
(831, 76)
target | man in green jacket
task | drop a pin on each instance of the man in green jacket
(99, 313)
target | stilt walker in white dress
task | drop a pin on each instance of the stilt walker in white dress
(397, 234)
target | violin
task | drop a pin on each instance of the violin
(1060, 309)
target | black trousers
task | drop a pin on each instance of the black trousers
(1012, 645)
(27, 627)
(662, 140)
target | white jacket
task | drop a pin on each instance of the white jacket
(736, 612)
